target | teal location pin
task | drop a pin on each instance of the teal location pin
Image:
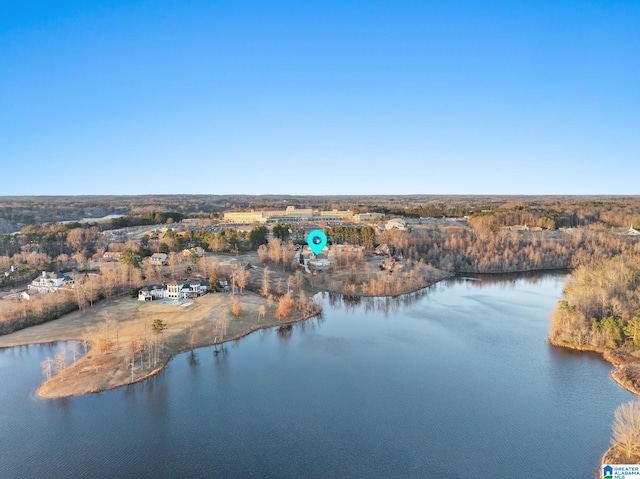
(317, 240)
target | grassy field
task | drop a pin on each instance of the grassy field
(205, 322)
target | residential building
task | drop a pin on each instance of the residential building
(49, 282)
(151, 292)
(188, 289)
(159, 258)
(112, 256)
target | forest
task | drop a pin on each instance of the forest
(600, 308)
(566, 233)
(484, 211)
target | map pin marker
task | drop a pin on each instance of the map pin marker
(317, 240)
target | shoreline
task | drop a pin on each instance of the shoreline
(106, 371)
(621, 359)
(625, 373)
(96, 371)
(403, 292)
(112, 369)
(167, 357)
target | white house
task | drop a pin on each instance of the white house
(26, 295)
(189, 289)
(396, 223)
(195, 288)
(159, 258)
(49, 282)
(149, 293)
(174, 290)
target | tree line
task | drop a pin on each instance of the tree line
(600, 308)
(142, 219)
(485, 251)
(356, 235)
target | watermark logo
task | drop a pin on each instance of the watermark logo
(620, 471)
(607, 472)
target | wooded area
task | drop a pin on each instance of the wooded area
(485, 211)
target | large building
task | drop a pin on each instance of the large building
(337, 215)
(396, 223)
(243, 217)
(174, 290)
(364, 217)
(290, 215)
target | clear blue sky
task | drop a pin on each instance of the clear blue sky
(328, 97)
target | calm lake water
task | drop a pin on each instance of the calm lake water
(458, 382)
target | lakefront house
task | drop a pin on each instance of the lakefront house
(49, 282)
(174, 290)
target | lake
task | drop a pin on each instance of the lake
(457, 381)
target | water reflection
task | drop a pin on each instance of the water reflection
(309, 325)
(381, 304)
(220, 351)
(284, 332)
(192, 358)
(506, 280)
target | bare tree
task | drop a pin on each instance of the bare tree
(193, 336)
(220, 327)
(263, 253)
(242, 279)
(270, 301)
(158, 327)
(234, 279)
(275, 250)
(81, 296)
(132, 364)
(207, 264)
(287, 254)
(264, 291)
(47, 367)
(134, 346)
(626, 429)
(60, 359)
(91, 288)
(74, 350)
(110, 324)
(297, 285)
(174, 260)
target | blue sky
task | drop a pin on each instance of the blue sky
(331, 97)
